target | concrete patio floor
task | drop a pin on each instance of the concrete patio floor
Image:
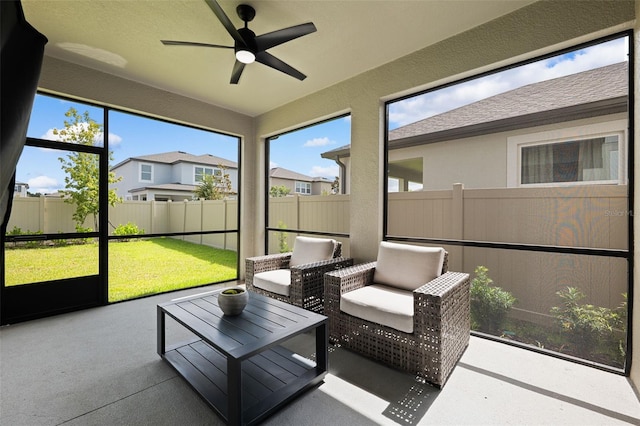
(100, 367)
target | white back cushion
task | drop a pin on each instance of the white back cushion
(309, 250)
(406, 266)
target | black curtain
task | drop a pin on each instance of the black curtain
(20, 64)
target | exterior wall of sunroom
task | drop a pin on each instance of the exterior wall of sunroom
(533, 30)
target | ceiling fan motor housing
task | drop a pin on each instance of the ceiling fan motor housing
(249, 38)
(246, 12)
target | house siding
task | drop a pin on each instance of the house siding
(182, 173)
(481, 161)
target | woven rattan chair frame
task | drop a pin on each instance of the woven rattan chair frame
(441, 324)
(307, 281)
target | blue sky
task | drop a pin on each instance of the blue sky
(131, 135)
(300, 150)
(432, 103)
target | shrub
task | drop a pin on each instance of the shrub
(282, 238)
(128, 229)
(279, 191)
(489, 304)
(15, 231)
(587, 327)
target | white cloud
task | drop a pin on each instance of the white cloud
(433, 103)
(273, 164)
(318, 142)
(43, 185)
(114, 139)
(329, 171)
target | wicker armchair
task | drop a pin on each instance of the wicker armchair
(296, 277)
(428, 341)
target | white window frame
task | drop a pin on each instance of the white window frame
(140, 172)
(214, 172)
(611, 128)
(299, 185)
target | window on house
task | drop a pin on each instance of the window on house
(201, 172)
(146, 173)
(303, 188)
(587, 154)
(585, 160)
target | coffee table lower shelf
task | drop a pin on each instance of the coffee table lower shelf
(269, 379)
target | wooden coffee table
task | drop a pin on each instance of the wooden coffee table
(237, 364)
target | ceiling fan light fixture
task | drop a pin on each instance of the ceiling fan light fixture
(245, 56)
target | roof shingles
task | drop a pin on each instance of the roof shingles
(581, 88)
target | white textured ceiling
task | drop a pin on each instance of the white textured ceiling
(123, 38)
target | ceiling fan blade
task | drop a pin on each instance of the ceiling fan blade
(275, 63)
(238, 67)
(192, 43)
(217, 10)
(268, 40)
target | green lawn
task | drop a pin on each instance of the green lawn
(136, 268)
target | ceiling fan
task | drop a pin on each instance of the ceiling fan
(248, 47)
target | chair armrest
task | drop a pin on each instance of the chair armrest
(307, 280)
(309, 271)
(450, 291)
(329, 265)
(443, 284)
(348, 279)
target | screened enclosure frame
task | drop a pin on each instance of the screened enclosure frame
(268, 228)
(627, 254)
(101, 280)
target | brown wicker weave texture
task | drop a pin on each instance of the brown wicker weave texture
(441, 324)
(307, 281)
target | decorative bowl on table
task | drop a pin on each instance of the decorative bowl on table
(232, 300)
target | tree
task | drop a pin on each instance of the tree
(82, 180)
(214, 187)
(279, 191)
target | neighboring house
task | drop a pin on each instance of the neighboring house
(170, 175)
(299, 183)
(567, 130)
(20, 189)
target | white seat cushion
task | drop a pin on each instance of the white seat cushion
(277, 281)
(310, 250)
(381, 304)
(406, 266)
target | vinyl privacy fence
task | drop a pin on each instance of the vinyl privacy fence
(593, 216)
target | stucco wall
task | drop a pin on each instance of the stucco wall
(541, 27)
(528, 32)
(536, 29)
(635, 345)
